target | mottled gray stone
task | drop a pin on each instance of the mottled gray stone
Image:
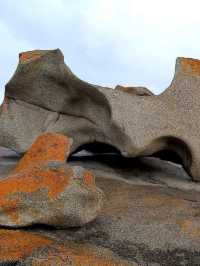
(43, 189)
(146, 219)
(44, 95)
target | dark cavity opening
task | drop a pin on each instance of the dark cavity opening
(168, 155)
(166, 148)
(174, 150)
(98, 148)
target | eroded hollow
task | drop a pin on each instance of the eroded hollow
(168, 155)
(174, 150)
(166, 148)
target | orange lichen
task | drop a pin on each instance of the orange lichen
(16, 245)
(53, 180)
(47, 147)
(88, 178)
(10, 209)
(30, 56)
(190, 227)
(190, 66)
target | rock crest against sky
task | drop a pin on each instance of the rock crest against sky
(45, 96)
(112, 42)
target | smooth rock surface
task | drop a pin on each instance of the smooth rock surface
(45, 96)
(43, 189)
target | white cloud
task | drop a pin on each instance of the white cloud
(104, 41)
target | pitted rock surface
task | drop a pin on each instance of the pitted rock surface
(21, 247)
(43, 189)
(45, 96)
(151, 216)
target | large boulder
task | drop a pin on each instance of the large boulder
(43, 189)
(44, 95)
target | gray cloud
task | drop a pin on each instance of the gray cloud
(104, 42)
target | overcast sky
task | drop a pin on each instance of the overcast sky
(105, 42)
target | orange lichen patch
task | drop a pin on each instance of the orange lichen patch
(88, 178)
(77, 256)
(16, 245)
(190, 227)
(11, 210)
(53, 180)
(30, 56)
(190, 66)
(47, 147)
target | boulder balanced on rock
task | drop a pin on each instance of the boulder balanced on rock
(42, 189)
(45, 96)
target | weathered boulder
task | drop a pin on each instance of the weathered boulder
(42, 189)
(44, 95)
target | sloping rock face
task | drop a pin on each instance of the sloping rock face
(23, 248)
(45, 96)
(151, 216)
(42, 189)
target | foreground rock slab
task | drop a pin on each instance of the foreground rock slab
(43, 189)
(36, 248)
(144, 221)
(45, 96)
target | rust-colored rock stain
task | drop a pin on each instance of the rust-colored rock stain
(16, 245)
(139, 91)
(88, 178)
(33, 174)
(54, 181)
(30, 56)
(190, 227)
(190, 66)
(47, 147)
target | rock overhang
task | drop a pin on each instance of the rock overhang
(45, 94)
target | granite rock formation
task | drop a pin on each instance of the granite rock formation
(43, 189)
(45, 96)
(151, 217)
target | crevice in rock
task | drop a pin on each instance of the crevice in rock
(59, 113)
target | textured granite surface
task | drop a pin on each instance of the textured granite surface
(45, 96)
(151, 217)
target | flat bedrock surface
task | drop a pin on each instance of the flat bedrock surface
(151, 217)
